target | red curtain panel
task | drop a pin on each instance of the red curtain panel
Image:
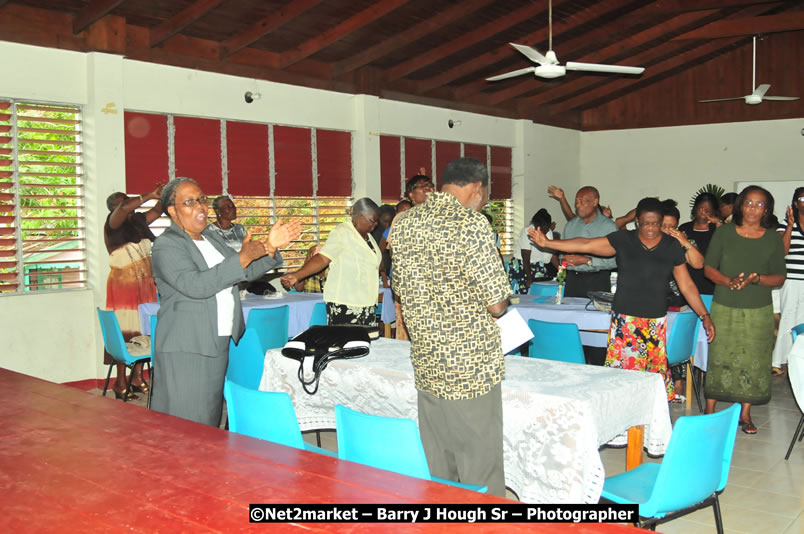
(146, 139)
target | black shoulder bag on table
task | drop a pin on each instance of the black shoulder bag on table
(325, 344)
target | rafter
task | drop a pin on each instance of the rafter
(427, 26)
(667, 49)
(95, 10)
(339, 31)
(181, 20)
(447, 49)
(675, 24)
(282, 16)
(781, 22)
(655, 72)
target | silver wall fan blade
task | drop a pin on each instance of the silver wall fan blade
(723, 99)
(531, 53)
(596, 67)
(520, 72)
(761, 90)
(780, 98)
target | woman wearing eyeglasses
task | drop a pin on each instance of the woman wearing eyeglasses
(745, 260)
(792, 294)
(197, 275)
(646, 259)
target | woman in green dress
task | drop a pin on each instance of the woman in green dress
(745, 260)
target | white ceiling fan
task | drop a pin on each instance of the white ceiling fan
(758, 94)
(548, 63)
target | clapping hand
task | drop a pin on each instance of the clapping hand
(740, 281)
(555, 192)
(282, 234)
(251, 250)
(606, 210)
(538, 237)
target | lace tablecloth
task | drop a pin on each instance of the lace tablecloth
(574, 310)
(556, 415)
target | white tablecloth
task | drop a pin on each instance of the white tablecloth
(573, 310)
(300, 309)
(556, 414)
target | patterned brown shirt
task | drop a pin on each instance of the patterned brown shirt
(446, 273)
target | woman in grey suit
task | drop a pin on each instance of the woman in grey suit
(197, 275)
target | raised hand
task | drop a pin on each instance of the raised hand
(538, 237)
(282, 234)
(680, 236)
(606, 211)
(555, 192)
(791, 220)
(251, 250)
(157, 192)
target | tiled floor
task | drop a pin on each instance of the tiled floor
(765, 493)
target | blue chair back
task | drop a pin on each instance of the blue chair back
(696, 463)
(246, 360)
(387, 443)
(153, 334)
(113, 338)
(319, 317)
(271, 326)
(559, 342)
(680, 342)
(543, 290)
(798, 329)
(707, 300)
(263, 415)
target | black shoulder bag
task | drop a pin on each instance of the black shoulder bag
(325, 344)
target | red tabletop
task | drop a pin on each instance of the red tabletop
(78, 462)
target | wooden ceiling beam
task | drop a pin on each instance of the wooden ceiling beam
(781, 22)
(282, 16)
(339, 31)
(447, 49)
(96, 9)
(391, 43)
(655, 72)
(181, 20)
(675, 24)
(582, 84)
(489, 58)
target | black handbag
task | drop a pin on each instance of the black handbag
(327, 343)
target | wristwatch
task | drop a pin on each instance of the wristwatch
(589, 262)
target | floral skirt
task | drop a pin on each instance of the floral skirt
(639, 344)
(516, 274)
(359, 315)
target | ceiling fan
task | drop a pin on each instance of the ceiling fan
(548, 63)
(758, 94)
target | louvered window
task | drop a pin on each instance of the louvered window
(42, 239)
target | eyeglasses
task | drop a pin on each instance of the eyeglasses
(646, 224)
(800, 199)
(191, 202)
(751, 204)
(667, 228)
(425, 185)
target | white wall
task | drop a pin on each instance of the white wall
(628, 165)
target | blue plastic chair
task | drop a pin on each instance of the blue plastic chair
(560, 342)
(693, 472)
(119, 350)
(389, 443)
(681, 347)
(543, 290)
(319, 317)
(798, 391)
(153, 361)
(265, 415)
(271, 326)
(246, 360)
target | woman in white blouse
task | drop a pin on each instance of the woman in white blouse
(354, 260)
(528, 260)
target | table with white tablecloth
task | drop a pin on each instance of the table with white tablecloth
(593, 323)
(556, 414)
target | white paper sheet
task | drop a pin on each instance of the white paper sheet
(514, 331)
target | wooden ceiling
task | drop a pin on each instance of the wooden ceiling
(439, 52)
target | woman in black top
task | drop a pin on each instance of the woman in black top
(646, 258)
(705, 220)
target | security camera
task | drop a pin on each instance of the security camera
(251, 97)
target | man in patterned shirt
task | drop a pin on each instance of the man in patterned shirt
(452, 285)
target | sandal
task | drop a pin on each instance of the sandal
(776, 371)
(679, 399)
(748, 427)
